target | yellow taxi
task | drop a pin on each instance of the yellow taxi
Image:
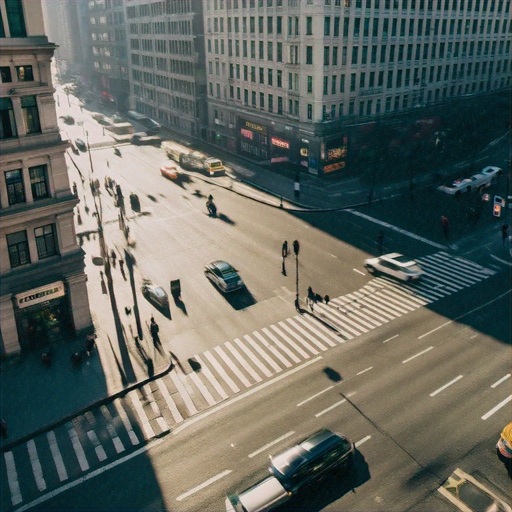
(504, 444)
(170, 169)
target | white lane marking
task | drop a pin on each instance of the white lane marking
(394, 228)
(290, 342)
(282, 346)
(36, 465)
(233, 367)
(355, 310)
(147, 428)
(341, 320)
(361, 441)
(498, 382)
(268, 445)
(126, 421)
(194, 377)
(214, 382)
(247, 393)
(272, 349)
(82, 479)
(12, 478)
(314, 396)
(203, 485)
(334, 335)
(77, 446)
(317, 415)
(367, 369)
(312, 326)
(355, 314)
(57, 457)
(392, 338)
(446, 385)
(218, 368)
(288, 329)
(434, 330)
(253, 358)
(497, 408)
(248, 368)
(118, 445)
(418, 354)
(176, 415)
(358, 271)
(262, 353)
(183, 392)
(100, 452)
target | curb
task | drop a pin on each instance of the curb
(83, 410)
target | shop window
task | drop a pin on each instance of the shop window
(30, 114)
(18, 249)
(45, 241)
(39, 182)
(6, 74)
(8, 123)
(15, 186)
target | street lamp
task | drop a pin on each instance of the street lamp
(89, 150)
(296, 248)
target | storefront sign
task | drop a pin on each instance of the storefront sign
(280, 143)
(303, 151)
(246, 133)
(336, 153)
(257, 127)
(42, 294)
(334, 167)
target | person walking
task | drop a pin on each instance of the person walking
(75, 189)
(446, 225)
(113, 257)
(311, 297)
(327, 299)
(154, 329)
(504, 233)
(285, 249)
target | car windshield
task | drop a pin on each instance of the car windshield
(159, 292)
(403, 259)
(476, 498)
(225, 268)
(288, 462)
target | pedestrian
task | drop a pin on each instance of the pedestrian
(285, 249)
(97, 185)
(154, 329)
(121, 265)
(318, 298)
(504, 233)
(75, 189)
(113, 257)
(380, 242)
(311, 297)
(327, 299)
(446, 225)
(90, 343)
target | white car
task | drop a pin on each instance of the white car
(394, 265)
(492, 171)
(478, 181)
(261, 497)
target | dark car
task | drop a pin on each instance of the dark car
(81, 145)
(68, 119)
(224, 276)
(143, 139)
(312, 459)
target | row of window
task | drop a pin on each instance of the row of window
(30, 116)
(22, 74)
(38, 177)
(18, 245)
(161, 27)
(176, 47)
(159, 8)
(176, 67)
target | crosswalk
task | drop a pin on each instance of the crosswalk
(153, 409)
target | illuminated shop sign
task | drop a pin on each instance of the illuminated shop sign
(246, 133)
(280, 143)
(257, 127)
(38, 295)
(334, 167)
(303, 151)
(336, 153)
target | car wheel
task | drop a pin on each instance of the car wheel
(371, 269)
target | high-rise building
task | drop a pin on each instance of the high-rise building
(43, 284)
(167, 63)
(287, 78)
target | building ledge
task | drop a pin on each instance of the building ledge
(50, 206)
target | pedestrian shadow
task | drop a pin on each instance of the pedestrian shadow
(198, 193)
(225, 218)
(174, 357)
(103, 287)
(180, 304)
(194, 364)
(153, 198)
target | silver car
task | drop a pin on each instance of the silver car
(263, 496)
(394, 265)
(155, 294)
(223, 276)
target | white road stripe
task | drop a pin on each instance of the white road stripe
(497, 408)
(290, 342)
(329, 408)
(282, 346)
(406, 294)
(247, 367)
(263, 354)
(498, 382)
(353, 300)
(361, 441)
(272, 443)
(12, 479)
(441, 282)
(218, 368)
(173, 408)
(418, 354)
(447, 267)
(126, 421)
(447, 277)
(363, 371)
(272, 349)
(355, 308)
(446, 386)
(383, 310)
(57, 457)
(368, 304)
(156, 410)
(310, 325)
(357, 270)
(321, 328)
(118, 445)
(392, 338)
(402, 301)
(202, 388)
(385, 304)
(232, 366)
(305, 344)
(213, 381)
(355, 314)
(77, 446)
(203, 485)
(183, 392)
(337, 318)
(434, 330)
(100, 452)
(148, 431)
(314, 396)
(469, 263)
(253, 358)
(36, 465)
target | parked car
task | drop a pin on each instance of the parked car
(142, 138)
(223, 276)
(263, 496)
(116, 118)
(394, 265)
(155, 294)
(312, 459)
(81, 145)
(170, 169)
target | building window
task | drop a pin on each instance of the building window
(270, 77)
(279, 25)
(15, 186)
(310, 84)
(15, 18)
(310, 111)
(326, 55)
(326, 85)
(309, 55)
(45, 241)
(262, 100)
(8, 123)
(309, 26)
(30, 114)
(270, 103)
(327, 26)
(280, 105)
(253, 98)
(279, 78)
(25, 73)
(6, 74)
(38, 182)
(18, 249)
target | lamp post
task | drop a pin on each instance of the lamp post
(89, 150)
(296, 248)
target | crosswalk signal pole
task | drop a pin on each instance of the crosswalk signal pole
(296, 248)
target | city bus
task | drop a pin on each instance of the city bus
(149, 124)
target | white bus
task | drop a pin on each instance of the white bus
(149, 124)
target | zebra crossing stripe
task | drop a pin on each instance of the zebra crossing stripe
(363, 300)
(12, 479)
(359, 311)
(290, 342)
(454, 280)
(183, 392)
(323, 329)
(262, 353)
(214, 382)
(148, 431)
(294, 322)
(468, 264)
(284, 348)
(353, 299)
(241, 377)
(57, 457)
(391, 295)
(156, 410)
(202, 388)
(287, 328)
(100, 452)
(77, 446)
(384, 310)
(248, 368)
(456, 271)
(176, 415)
(399, 305)
(407, 293)
(272, 349)
(341, 320)
(126, 421)
(218, 368)
(252, 357)
(393, 308)
(118, 445)
(36, 465)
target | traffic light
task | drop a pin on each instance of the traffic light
(498, 204)
(296, 247)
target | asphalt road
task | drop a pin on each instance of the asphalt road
(412, 394)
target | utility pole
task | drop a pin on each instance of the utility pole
(89, 150)
(296, 248)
